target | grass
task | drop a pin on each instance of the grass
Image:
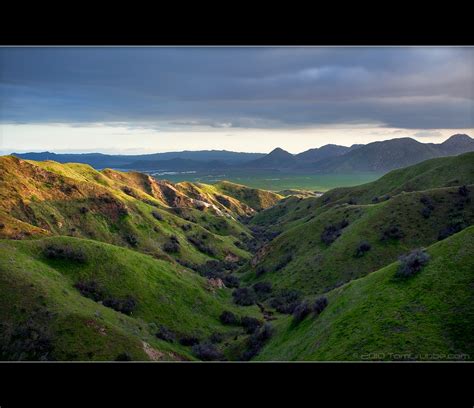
(82, 329)
(429, 316)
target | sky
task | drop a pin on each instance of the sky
(132, 100)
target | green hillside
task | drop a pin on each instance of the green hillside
(428, 316)
(38, 289)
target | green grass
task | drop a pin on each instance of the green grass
(429, 316)
(276, 181)
(166, 294)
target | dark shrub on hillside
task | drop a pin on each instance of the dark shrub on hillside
(165, 334)
(392, 232)
(449, 230)
(260, 271)
(283, 262)
(201, 246)
(286, 301)
(256, 341)
(129, 191)
(362, 248)
(412, 263)
(90, 289)
(216, 338)
(463, 191)
(301, 311)
(428, 206)
(131, 239)
(123, 357)
(333, 232)
(320, 304)
(186, 227)
(426, 212)
(65, 253)
(188, 340)
(262, 288)
(352, 202)
(125, 306)
(83, 210)
(157, 216)
(250, 324)
(207, 352)
(2, 225)
(172, 245)
(244, 296)
(229, 318)
(27, 341)
(375, 200)
(231, 281)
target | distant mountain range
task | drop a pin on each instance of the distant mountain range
(373, 157)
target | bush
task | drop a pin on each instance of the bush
(131, 239)
(165, 334)
(207, 352)
(449, 230)
(333, 232)
(216, 338)
(392, 232)
(301, 311)
(362, 248)
(125, 306)
(262, 288)
(250, 324)
(286, 301)
(260, 271)
(283, 262)
(231, 281)
(157, 216)
(412, 263)
(124, 357)
(83, 210)
(463, 191)
(256, 341)
(244, 296)
(186, 227)
(172, 245)
(228, 318)
(201, 246)
(188, 340)
(320, 304)
(90, 289)
(65, 253)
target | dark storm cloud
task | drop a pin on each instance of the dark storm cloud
(239, 87)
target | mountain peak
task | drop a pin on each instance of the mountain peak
(280, 152)
(458, 137)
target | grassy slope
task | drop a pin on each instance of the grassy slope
(429, 316)
(82, 329)
(47, 197)
(317, 267)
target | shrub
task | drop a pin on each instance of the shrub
(231, 281)
(256, 341)
(216, 338)
(286, 301)
(362, 248)
(333, 231)
(412, 263)
(90, 289)
(165, 334)
(83, 210)
(186, 227)
(157, 216)
(260, 271)
(463, 191)
(375, 200)
(428, 206)
(426, 212)
(320, 304)
(188, 340)
(283, 262)
(449, 230)
(250, 324)
(207, 352)
(392, 232)
(201, 246)
(301, 311)
(123, 357)
(131, 239)
(172, 245)
(65, 253)
(261, 288)
(244, 296)
(125, 306)
(228, 318)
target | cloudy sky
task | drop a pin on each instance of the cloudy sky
(138, 100)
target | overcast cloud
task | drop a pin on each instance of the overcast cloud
(186, 89)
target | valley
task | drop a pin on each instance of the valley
(113, 265)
